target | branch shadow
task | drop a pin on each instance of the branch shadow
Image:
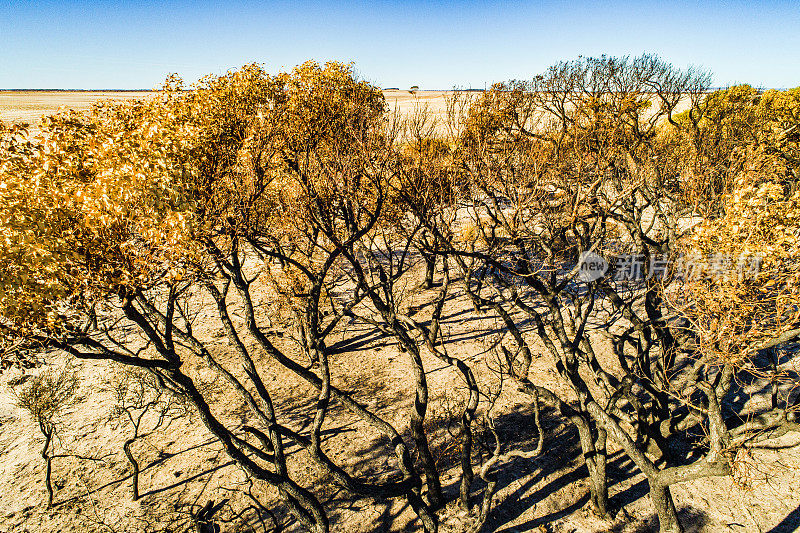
(693, 521)
(790, 523)
(188, 479)
(161, 459)
(562, 459)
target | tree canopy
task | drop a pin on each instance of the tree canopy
(298, 199)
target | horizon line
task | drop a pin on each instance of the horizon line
(452, 89)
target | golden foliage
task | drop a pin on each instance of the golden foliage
(130, 194)
(734, 311)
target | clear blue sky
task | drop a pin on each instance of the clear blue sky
(120, 44)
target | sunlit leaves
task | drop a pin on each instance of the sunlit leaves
(132, 194)
(96, 204)
(735, 315)
(747, 141)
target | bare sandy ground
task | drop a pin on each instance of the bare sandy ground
(405, 102)
(185, 466)
(31, 106)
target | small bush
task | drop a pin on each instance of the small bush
(45, 397)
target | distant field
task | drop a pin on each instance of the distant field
(404, 102)
(31, 106)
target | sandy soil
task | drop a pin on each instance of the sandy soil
(31, 106)
(184, 467)
(405, 102)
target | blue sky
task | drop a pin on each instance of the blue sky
(436, 45)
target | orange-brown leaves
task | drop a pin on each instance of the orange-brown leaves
(736, 313)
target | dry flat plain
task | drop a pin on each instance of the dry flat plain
(31, 106)
(183, 465)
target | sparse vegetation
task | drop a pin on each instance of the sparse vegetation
(45, 397)
(146, 407)
(295, 218)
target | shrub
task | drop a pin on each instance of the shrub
(45, 397)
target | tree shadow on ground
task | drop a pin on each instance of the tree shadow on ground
(163, 457)
(790, 523)
(385, 513)
(561, 454)
(358, 340)
(562, 465)
(693, 521)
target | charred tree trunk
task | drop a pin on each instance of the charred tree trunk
(435, 498)
(134, 466)
(48, 460)
(430, 270)
(599, 479)
(665, 507)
